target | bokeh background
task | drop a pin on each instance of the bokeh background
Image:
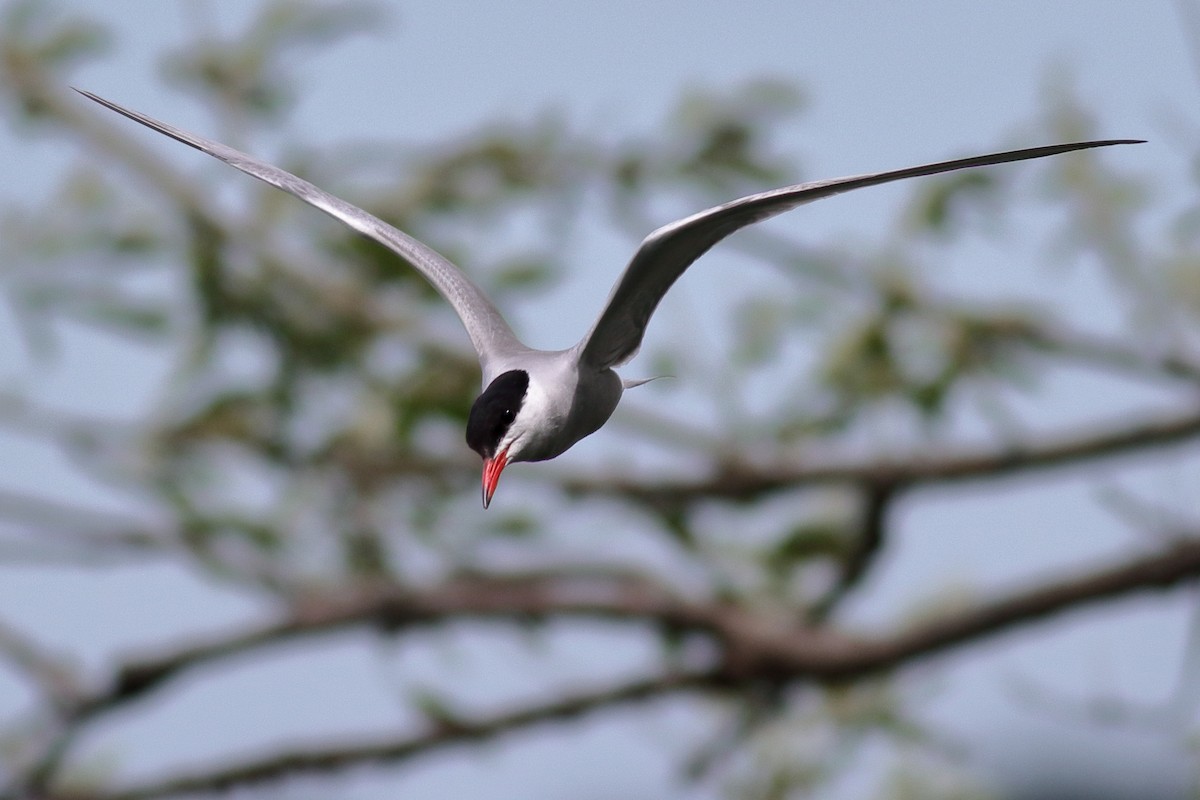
(220, 411)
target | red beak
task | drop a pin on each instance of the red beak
(492, 467)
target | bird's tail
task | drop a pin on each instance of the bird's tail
(630, 384)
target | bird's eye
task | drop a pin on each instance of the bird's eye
(508, 415)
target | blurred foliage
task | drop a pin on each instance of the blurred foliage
(249, 75)
(308, 425)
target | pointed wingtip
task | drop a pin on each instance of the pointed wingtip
(95, 98)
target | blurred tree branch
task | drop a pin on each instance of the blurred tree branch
(745, 482)
(446, 732)
(752, 650)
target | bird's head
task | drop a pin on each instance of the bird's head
(490, 427)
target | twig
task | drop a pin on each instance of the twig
(1113, 355)
(870, 540)
(77, 525)
(51, 673)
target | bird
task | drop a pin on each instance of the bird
(536, 404)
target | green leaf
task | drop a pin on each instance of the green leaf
(937, 201)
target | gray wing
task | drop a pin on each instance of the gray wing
(489, 332)
(668, 251)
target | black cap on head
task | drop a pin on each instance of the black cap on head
(494, 411)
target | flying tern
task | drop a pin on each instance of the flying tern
(536, 404)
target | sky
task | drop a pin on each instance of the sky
(889, 84)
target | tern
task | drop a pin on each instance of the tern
(536, 404)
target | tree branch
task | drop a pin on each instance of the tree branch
(1165, 569)
(755, 648)
(444, 733)
(804, 651)
(745, 482)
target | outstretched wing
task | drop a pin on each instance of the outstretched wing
(489, 332)
(668, 251)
